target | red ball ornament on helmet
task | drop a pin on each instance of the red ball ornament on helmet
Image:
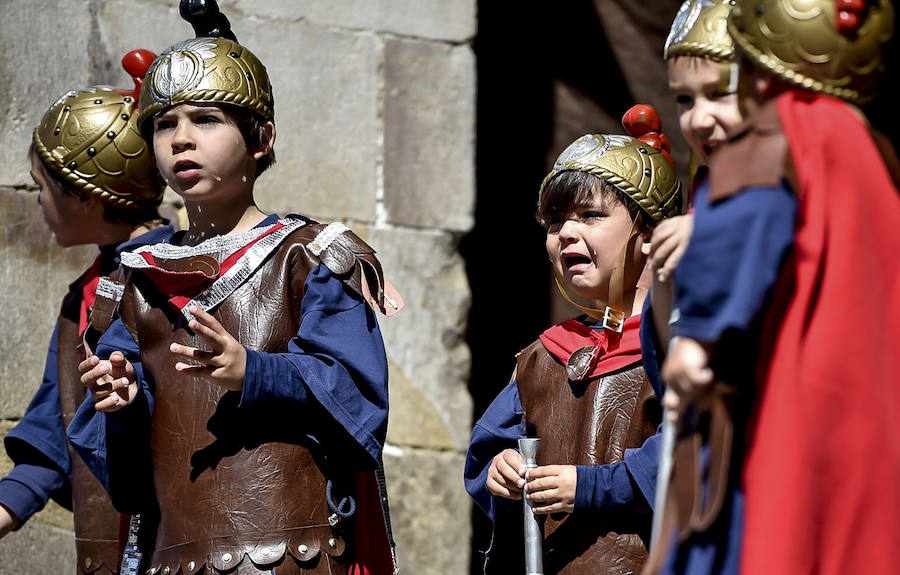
(641, 119)
(849, 15)
(642, 122)
(136, 63)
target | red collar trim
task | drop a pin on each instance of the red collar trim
(615, 350)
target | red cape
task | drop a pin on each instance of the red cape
(822, 472)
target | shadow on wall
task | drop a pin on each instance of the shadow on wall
(545, 77)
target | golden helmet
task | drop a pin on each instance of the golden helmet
(207, 70)
(815, 45)
(91, 140)
(638, 165)
(701, 29)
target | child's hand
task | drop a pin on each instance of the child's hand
(552, 488)
(687, 373)
(225, 365)
(8, 521)
(110, 381)
(669, 241)
(506, 476)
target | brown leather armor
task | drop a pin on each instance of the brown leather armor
(588, 423)
(96, 522)
(232, 497)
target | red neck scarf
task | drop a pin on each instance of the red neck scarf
(614, 351)
(182, 286)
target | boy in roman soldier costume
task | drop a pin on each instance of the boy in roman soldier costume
(790, 291)
(581, 387)
(243, 390)
(703, 81)
(98, 185)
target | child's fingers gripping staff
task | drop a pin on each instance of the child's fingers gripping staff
(552, 488)
(506, 477)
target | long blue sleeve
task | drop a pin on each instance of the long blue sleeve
(37, 446)
(732, 261)
(499, 428)
(627, 482)
(335, 369)
(652, 350)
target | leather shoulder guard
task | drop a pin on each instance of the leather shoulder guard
(354, 262)
(758, 155)
(105, 310)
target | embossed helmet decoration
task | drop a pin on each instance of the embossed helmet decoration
(91, 140)
(832, 47)
(700, 29)
(212, 68)
(639, 165)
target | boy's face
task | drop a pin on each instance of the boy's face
(66, 215)
(583, 245)
(201, 153)
(707, 112)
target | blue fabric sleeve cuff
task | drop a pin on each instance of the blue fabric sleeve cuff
(265, 370)
(20, 500)
(602, 487)
(642, 464)
(27, 489)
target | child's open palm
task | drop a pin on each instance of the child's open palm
(224, 364)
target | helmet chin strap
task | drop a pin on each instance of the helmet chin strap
(613, 316)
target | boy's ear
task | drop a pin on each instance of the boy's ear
(268, 141)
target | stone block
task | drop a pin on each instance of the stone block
(37, 548)
(429, 511)
(325, 86)
(429, 134)
(5, 462)
(124, 26)
(430, 404)
(451, 20)
(34, 275)
(45, 47)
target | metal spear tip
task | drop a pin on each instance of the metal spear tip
(529, 446)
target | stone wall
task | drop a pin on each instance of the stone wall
(375, 109)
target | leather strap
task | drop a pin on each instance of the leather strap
(614, 315)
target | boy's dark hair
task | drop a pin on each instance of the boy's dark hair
(253, 128)
(251, 125)
(112, 214)
(571, 190)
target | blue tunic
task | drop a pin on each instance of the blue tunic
(333, 372)
(37, 444)
(723, 283)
